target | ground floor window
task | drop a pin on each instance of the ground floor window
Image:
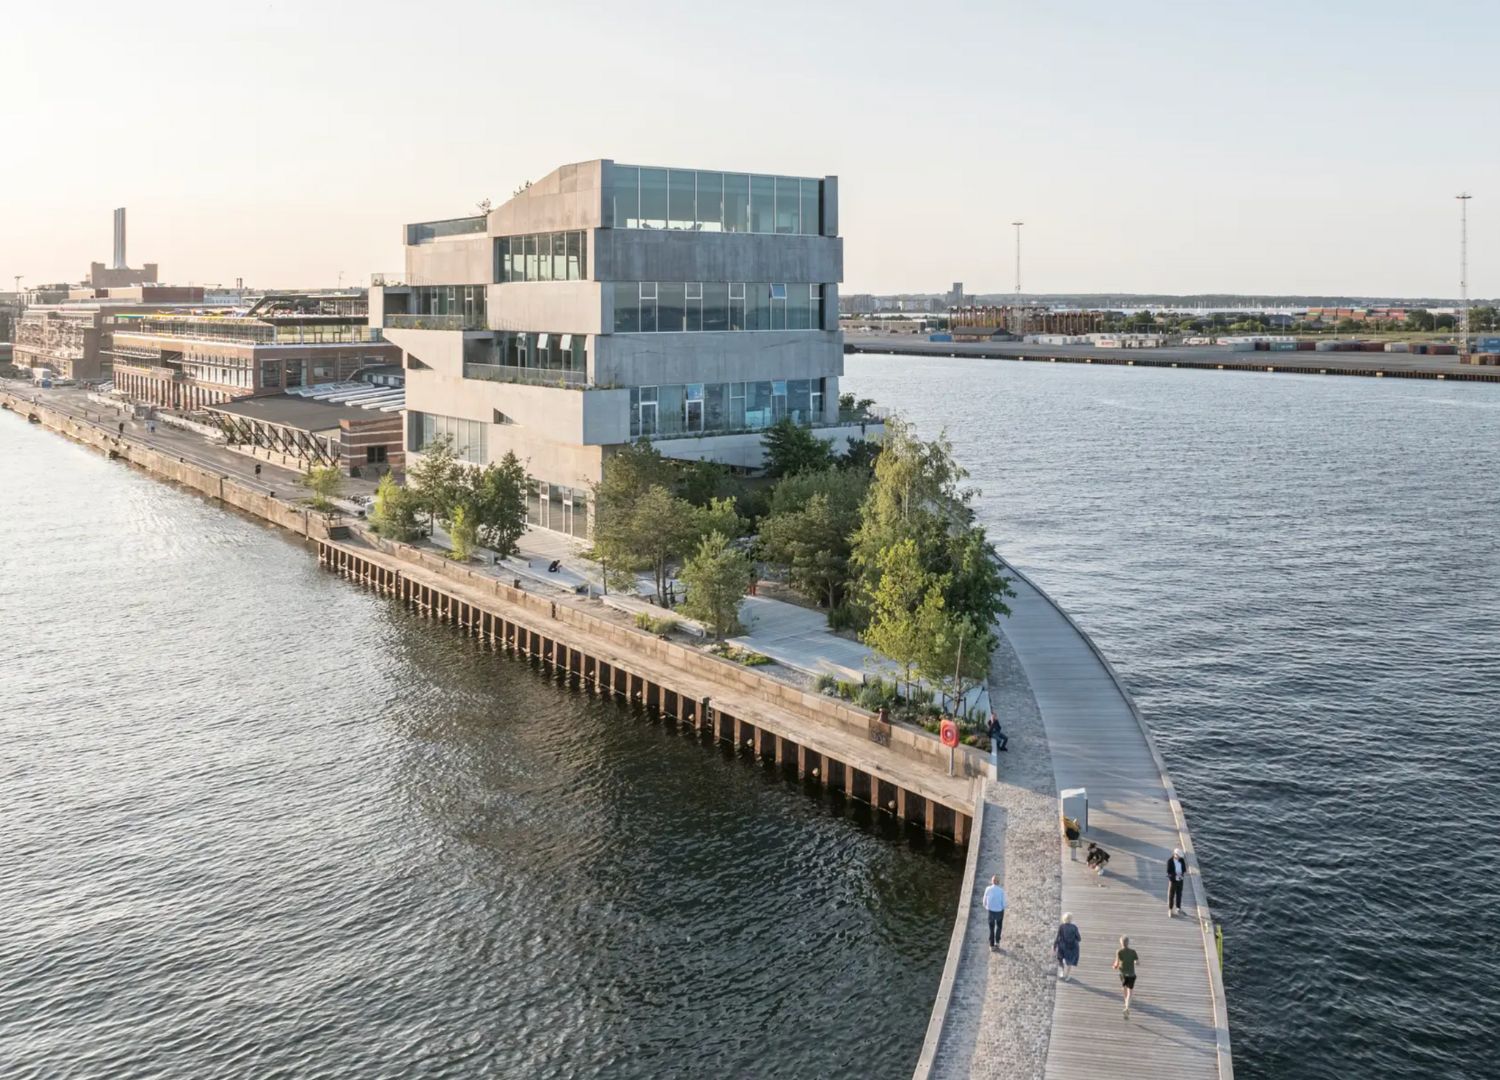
(559, 508)
(375, 455)
(469, 437)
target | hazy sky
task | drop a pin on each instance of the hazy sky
(1167, 146)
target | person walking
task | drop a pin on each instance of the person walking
(1065, 945)
(1176, 873)
(994, 903)
(1125, 963)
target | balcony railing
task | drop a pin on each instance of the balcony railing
(424, 231)
(531, 376)
(433, 322)
(387, 279)
(676, 427)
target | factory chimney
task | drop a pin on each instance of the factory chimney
(120, 263)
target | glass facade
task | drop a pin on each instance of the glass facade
(470, 437)
(699, 201)
(465, 300)
(562, 509)
(561, 256)
(709, 408)
(658, 307)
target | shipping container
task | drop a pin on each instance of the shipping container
(1397, 346)
(939, 337)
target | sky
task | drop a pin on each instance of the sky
(1180, 147)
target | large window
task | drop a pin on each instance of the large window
(666, 307)
(561, 256)
(467, 301)
(706, 408)
(642, 198)
(554, 506)
(469, 436)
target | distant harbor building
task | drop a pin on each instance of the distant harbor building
(607, 303)
(193, 360)
(70, 337)
(120, 274)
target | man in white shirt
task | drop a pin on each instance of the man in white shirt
(994, 903)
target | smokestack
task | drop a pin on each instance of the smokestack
(120, 238)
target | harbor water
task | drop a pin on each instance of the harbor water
(260, 823)
(1296, 577)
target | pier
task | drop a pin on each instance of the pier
(1007, 1015)
(1374, 365)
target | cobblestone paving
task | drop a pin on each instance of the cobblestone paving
(1000, 1017)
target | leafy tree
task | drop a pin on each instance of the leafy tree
(894, 630)
(719, 516)
(323, 481)
(1443, 322)
(436, 479)
(813, 545)
(810, 529)
(717, 577)
(649, 534)
(954, 648)
(852, 408)
(463, 533)
(792, 448)
(700, 482)
(859, 456)
(394, 513)
(976, 587)
(495, 497)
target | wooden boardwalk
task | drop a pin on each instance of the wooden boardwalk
(1178, 1027)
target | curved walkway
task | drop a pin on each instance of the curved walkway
(1095, 738)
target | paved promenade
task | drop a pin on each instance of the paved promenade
(1047, 679)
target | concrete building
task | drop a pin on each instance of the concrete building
(70, 336)
(607, 303)
(194, 360)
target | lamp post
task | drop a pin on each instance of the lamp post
(1020, 317)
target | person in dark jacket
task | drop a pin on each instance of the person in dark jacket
(1065, 946)
(1176, 874)
(998, 739)
(1098, 858)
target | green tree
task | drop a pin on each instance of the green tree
(894, 630)
(323, 481)
(859, 456)
(700, 482)
(496, 499)
(462, 532)
(394, 513)
(791, 449)
(810, 528)
(976, 586)
(436, 479)
(717, 577)
(954, 649)
(719, 516)
(812, 544)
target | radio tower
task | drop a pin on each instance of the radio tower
(1463, 276)
(1020, 315)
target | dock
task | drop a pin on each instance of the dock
(1006, 1015)
(1375, 365)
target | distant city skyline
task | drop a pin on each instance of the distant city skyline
(1184, 152)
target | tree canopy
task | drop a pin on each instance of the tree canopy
(792, 449)
(717, 577)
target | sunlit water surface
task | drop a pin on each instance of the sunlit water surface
(1297, 576)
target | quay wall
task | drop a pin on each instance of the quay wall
(912, 753)
(1364, 365)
